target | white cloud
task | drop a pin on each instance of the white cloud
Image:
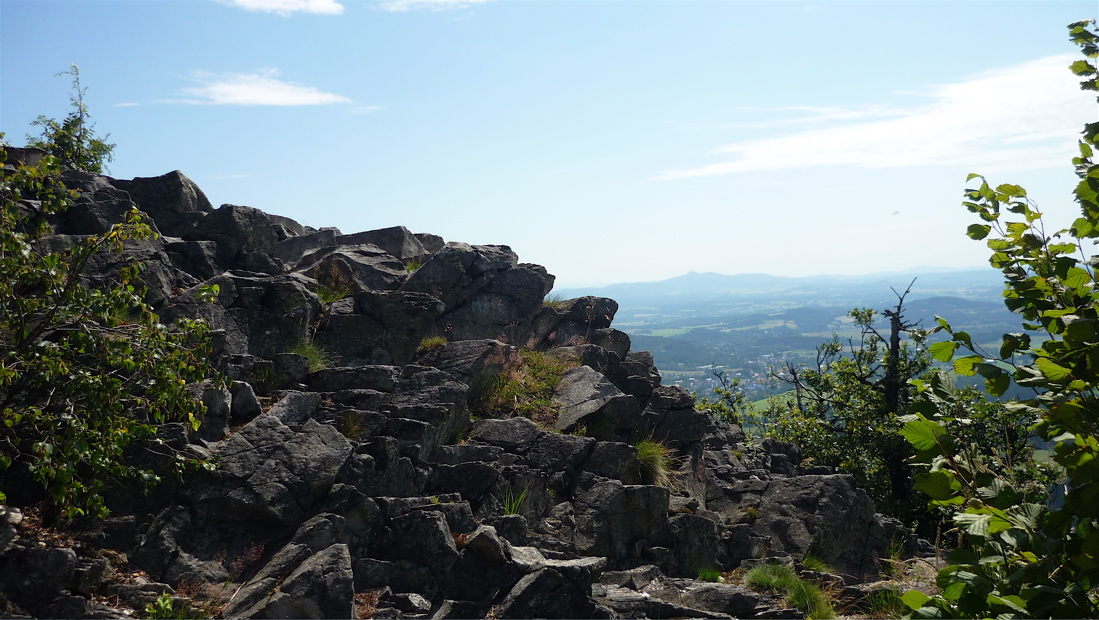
(286, 7)
(127, 104)
(402, 6)
(254, 89)
(1018, 118)
(367, 109)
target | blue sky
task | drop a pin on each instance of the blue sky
(611, 141)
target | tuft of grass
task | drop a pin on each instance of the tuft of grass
(513, 503)
(883, 603)
(780, 579)
(893, 566)
(351, 425)
(770, 577)
(524, 387)
(709, 574)
(555, 301)
(815, 564)
(431, 343)
(318, 358)
(329, 294)
(656, 462)
(811, 600)
(412, 265)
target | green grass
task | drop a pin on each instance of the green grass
(779, 579)
(815, 564)
(512, 502)
(556, 302)
(329, 294)
(709, 574)
(318, 358)
(884, 603)
(525, 387)
(412, 265)
(430, 343)
(811, 600)
(773, 578)
(656, 462)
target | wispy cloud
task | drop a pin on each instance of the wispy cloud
(1017, 118)
(263, 88)
(402, 6)
(288, 7)
(367, 109)
(127, 104)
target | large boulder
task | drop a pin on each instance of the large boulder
(174, 202)
(383, 327)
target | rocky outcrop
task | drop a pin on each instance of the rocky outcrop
(368, 486)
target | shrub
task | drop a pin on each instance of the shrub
(85, 369)
(72, 140)
(656, 462)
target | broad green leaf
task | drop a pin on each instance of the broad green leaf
(943, 351)
(978, 231)
(923, 434)
(966, 366)
(914, 599)
(938, 485)
(973, 524)
(1051, 370)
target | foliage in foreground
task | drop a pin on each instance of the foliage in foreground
(524, 387)
(85, 371)
(1019, 557)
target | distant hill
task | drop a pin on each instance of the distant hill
(747, 323)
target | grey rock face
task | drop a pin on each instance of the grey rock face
(587, 398)
(380, 327)
(396, 241)
(826, 515)
(174, 202)
(357, 268)
(237, 230)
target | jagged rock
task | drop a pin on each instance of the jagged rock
(694, 542)
(396, 241)
(513, 434)
(322, 586)
(291, 370)
(35, 575)
(612, 459)
(553, 452)
(270, 472)
(458, 271)
(371, 377)
(10, 518)
(546, 593)
(500, 310)
(618, 521)
(431, 243)
(174, 202)
(587, 398)
(826, 515)
(293, 250)
(472, 362)
(423, 538)
(379, 327)
(218, 403)
(261, 315)
(238, 231)
(244, 404)
(357, 268)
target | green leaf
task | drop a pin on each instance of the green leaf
(973, 524)
(1051, 370)
(966, 366)
(978, 231)
(914, 599)
(923, 434)
(1082, 67)
(939, 485)
(943, 351)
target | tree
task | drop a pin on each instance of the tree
(84, 372)
(1017, 556)
(845, 413)
(72, 140)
